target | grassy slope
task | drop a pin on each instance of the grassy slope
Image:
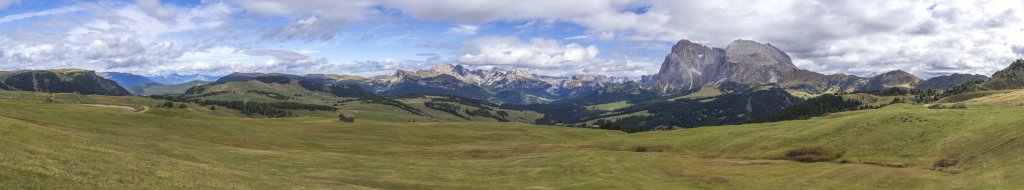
(523, 116)
(610, 106)
(999, 98)
(293, 89)
(985, 138)
(65, 145)
(875, 100)
(162, 89)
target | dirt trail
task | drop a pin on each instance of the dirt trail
(128, 108)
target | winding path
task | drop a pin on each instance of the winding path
(129, 108)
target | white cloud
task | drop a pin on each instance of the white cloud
(154, 9)
(55, 11)
(117, 38)
(5, 3)
(477, 11)
(924, 37)
(580, 37)
(536, 53)
(278, 54)
(313, 19)
(464, 29)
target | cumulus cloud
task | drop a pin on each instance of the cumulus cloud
(108, 38)
(154, 9)
(312, 19)
(535, 53)
(857, 37)
(464, 29)
(278, 54)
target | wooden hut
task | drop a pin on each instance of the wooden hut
(347, 117)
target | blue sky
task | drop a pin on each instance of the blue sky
(626, 38)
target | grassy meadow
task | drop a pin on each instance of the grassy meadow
(71, 145)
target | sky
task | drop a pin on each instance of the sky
(624, 38)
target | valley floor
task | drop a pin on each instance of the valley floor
(75, 146)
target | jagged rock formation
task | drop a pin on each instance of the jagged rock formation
(691, 65)
(61, 81)
(949, 81)
(683, 68)
(500, 85)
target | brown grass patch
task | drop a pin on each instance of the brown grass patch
(812, 154)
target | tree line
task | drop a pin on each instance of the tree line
(447, 108)
(817, 106)
(249, 108)
(390, 102)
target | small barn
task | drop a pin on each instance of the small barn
(347, 117)
(662, 128)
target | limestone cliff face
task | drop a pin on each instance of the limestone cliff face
(683, 68)
(691, 65)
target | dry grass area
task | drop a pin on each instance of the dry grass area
(72, 146)
(1010, 98)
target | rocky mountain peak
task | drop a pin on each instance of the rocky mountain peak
(683, 67)
(751, 52)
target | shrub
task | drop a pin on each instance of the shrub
(811, 154)
(946, 162)
(641, 149)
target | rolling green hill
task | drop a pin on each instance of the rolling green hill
(60, 81)
(164, 89)
(55, 145)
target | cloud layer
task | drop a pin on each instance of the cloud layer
(616, 37)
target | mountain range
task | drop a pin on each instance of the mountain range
(689, 66)
(155, 85)
(497, 85)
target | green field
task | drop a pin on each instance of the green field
(70, 145)
(610, 106)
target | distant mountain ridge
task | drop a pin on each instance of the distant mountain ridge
(504, 85)
(1012, 77)
(948, 81)
(61, 81)
(164, 89)
(499, 85)
(126, 80)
